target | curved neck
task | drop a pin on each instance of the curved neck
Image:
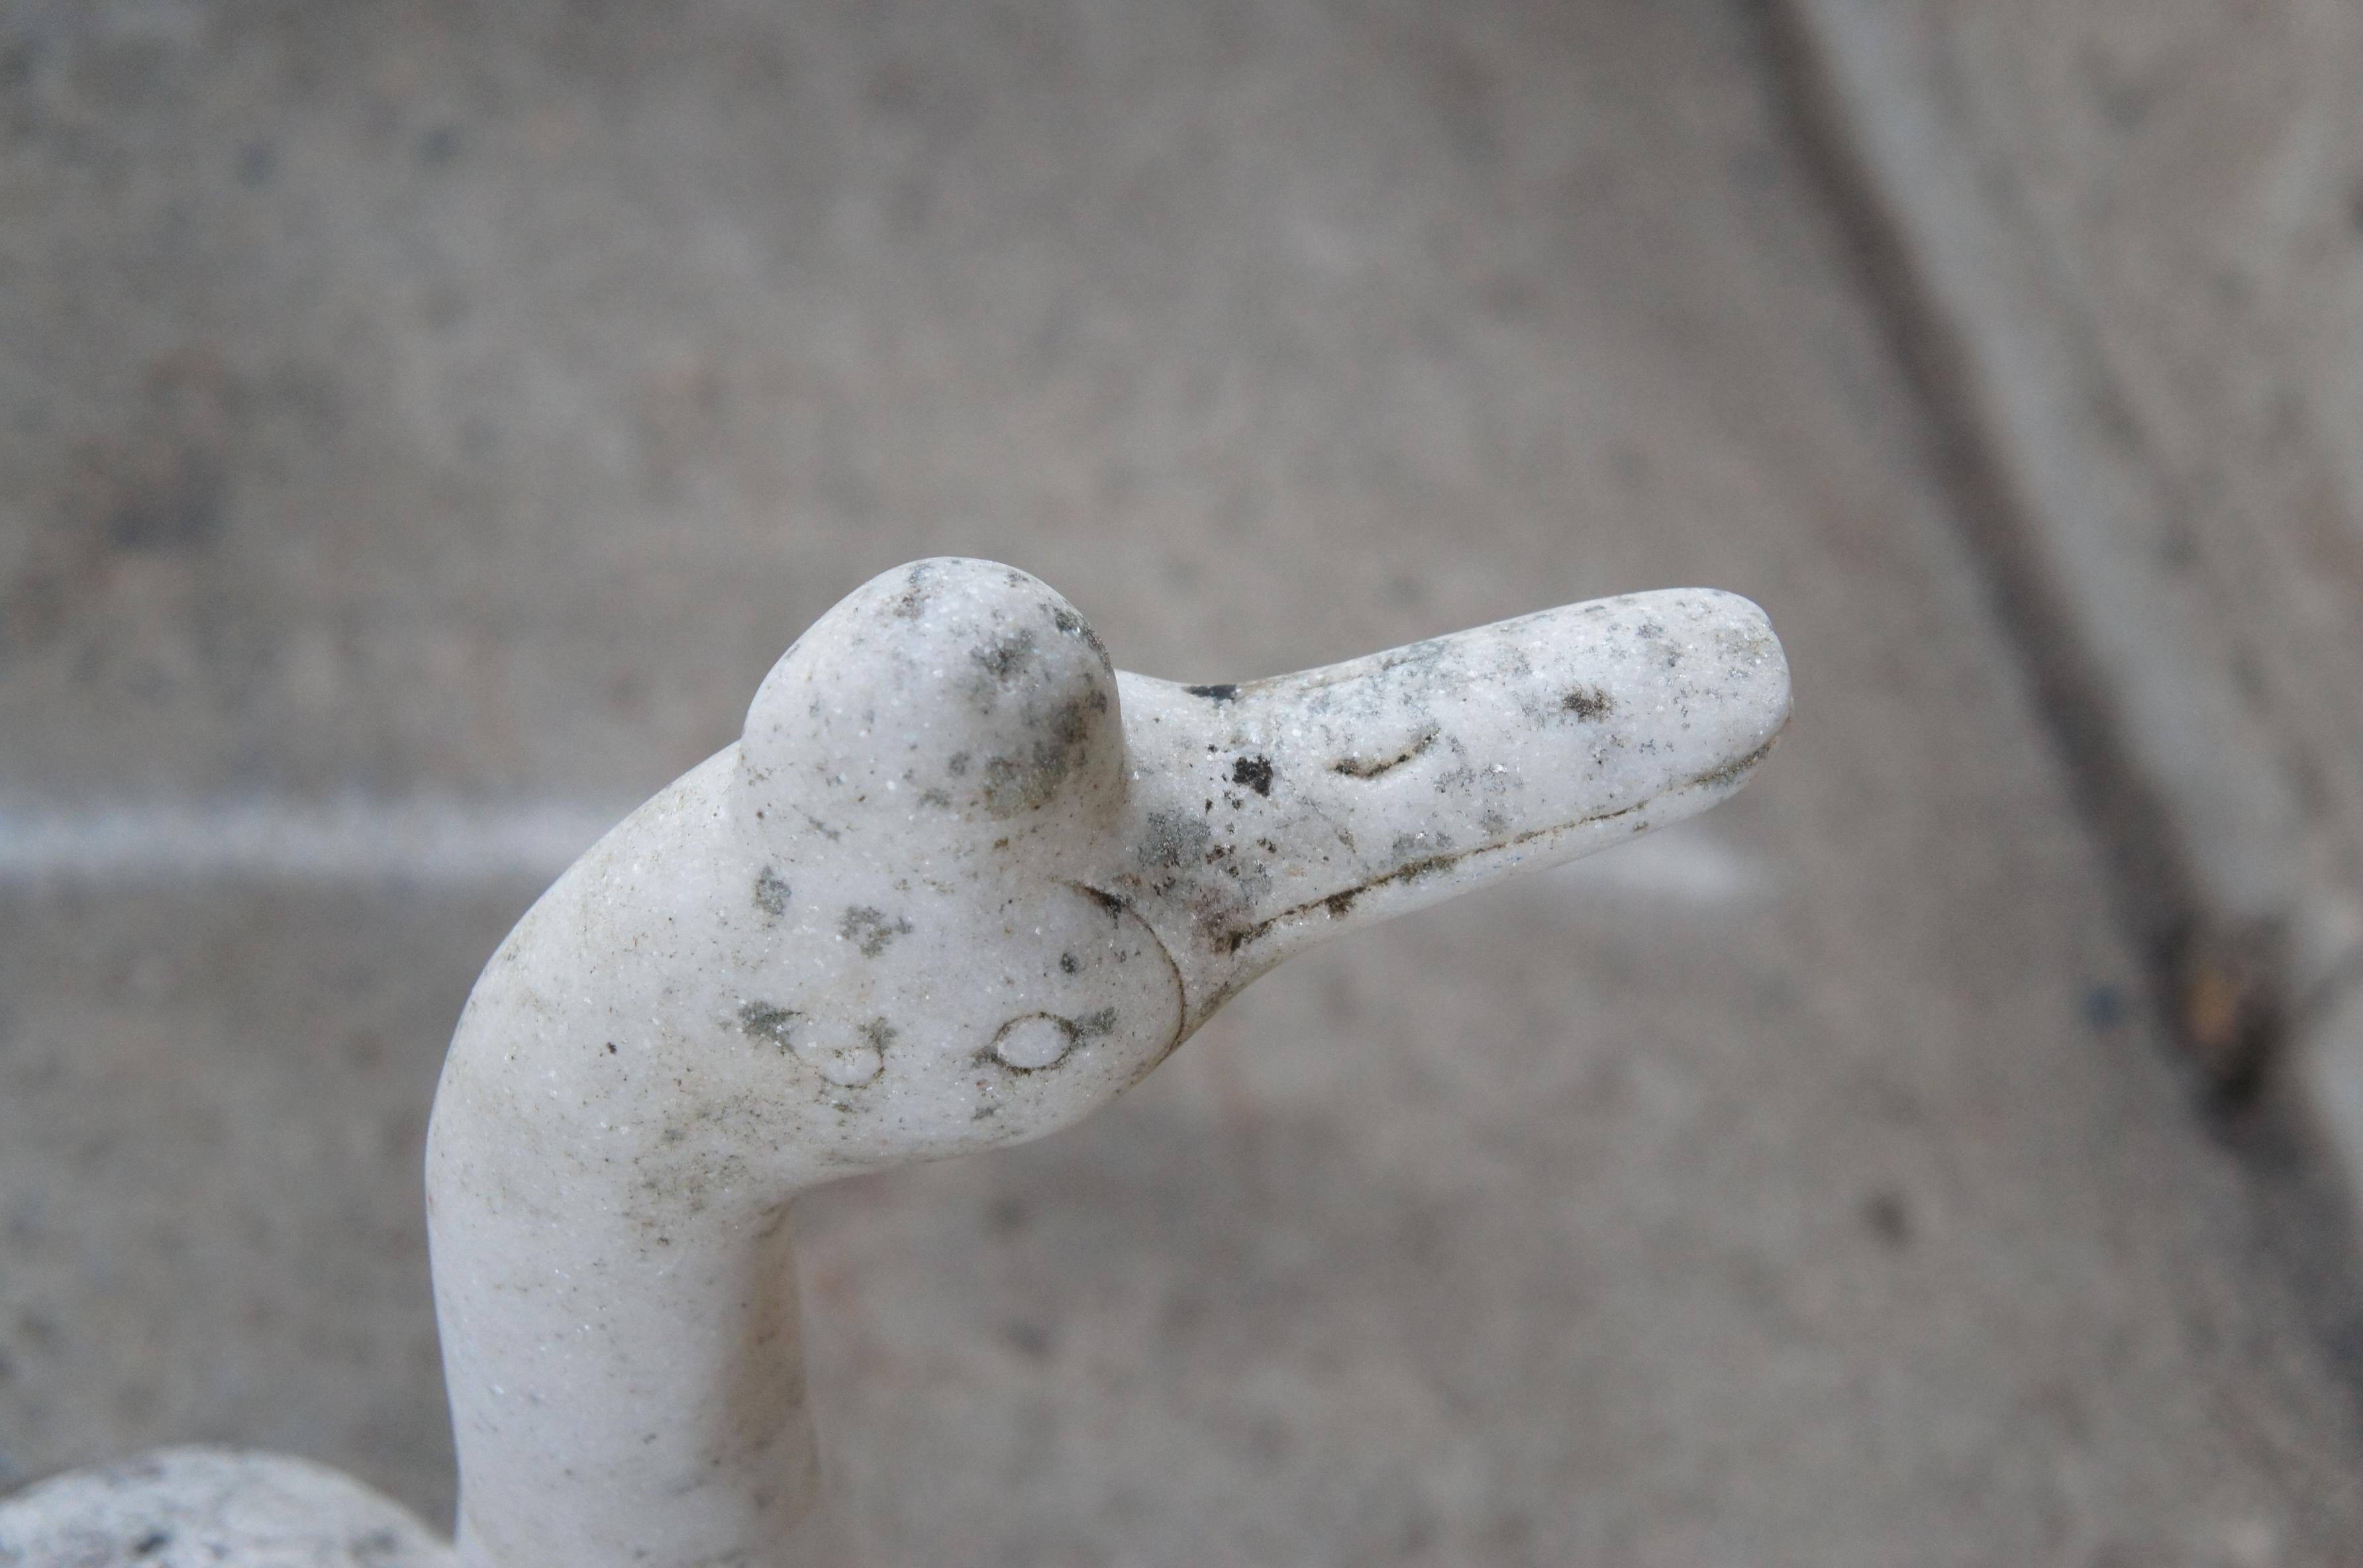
(608, 1222)
(622, 1394)
(725, 1001)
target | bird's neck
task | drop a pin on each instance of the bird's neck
(608, 1225)
(620, 1397)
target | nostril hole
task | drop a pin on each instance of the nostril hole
(1376, 766)
(1036, 1041)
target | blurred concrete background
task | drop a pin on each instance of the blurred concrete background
(423, 424)
(2122, 248)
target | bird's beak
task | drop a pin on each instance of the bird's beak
(1264, 817)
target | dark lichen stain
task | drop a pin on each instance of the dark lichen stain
(872, 929)
(1013, 785)
(154, 1541)
(772, 892)
(611, 1047)
(1108, 901)
(1091, 1026)
(763, 1021)
(880, 1033)
(1074, 626)
(1223, 694)
(1255, 772)
(1588, 703)
(1068, 964)
(1002, 660)
(1174, 838)
(1373, 768)
(1340, 905)
(958, 764)
(913, 591)
(913, 599)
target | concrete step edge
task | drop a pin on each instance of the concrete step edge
(2258, 942)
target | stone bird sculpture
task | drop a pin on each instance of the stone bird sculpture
(958, 884)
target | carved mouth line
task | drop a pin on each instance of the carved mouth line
(1339, 905)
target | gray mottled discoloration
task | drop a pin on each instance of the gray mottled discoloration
(207, 1507)
(994, 884)
(772, 892)
(1400, 778)
(1046, 875)
(764, 1022)
(1173, 838)
(1588, 703)
(871, 929)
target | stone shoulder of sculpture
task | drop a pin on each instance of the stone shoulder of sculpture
(958, 884)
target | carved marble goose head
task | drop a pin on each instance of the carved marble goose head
(959, 883)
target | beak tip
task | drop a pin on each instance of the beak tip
(1741, 687)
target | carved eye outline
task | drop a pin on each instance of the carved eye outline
(1039, 1041)
(1024, 1045)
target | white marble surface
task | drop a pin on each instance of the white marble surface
(959, 885)
(186, 1506)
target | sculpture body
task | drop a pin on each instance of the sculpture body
(958, 884)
